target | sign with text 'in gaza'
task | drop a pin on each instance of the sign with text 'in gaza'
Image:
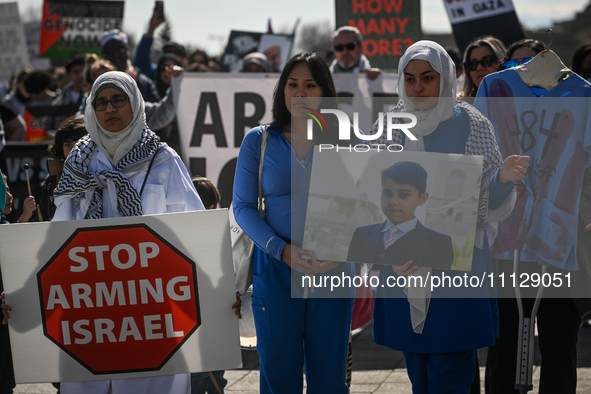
(388, 27)
(71, 27)
(474, 18)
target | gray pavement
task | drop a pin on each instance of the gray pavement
(376, 370)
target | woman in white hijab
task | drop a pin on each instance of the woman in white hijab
(439, 334)
(121, 151)
(122, 169)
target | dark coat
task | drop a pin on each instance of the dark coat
(425, 247)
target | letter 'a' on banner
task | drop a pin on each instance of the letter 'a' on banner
(72, 27)
(474, 18)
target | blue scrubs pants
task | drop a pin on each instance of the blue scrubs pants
(293, 332)
(441, 373)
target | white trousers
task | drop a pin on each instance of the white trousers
(173, 384)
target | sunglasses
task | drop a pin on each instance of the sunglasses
(117, 102)
(515, 63)
(350, 46)
(486, 61)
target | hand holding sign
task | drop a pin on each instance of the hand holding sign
(294, 258)
(405, 269)
(156, 20)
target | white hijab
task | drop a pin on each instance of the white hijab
(419, 298)
(116, 145)
(428, 120)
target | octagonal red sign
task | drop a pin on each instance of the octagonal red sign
(119, 298)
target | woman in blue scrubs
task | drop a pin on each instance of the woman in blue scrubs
(295, 326)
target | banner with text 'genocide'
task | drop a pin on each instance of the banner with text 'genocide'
(71, 27)
(388, 27)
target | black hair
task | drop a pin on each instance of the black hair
(202, 53)
(208, 193)
(579, 56)
(175, 48)
(72, 129)
(407, 173)
(76, 60)
(321, 75)
(165, 57)
(37, 81)
(534, 45)
(160, 85)
(22, 74)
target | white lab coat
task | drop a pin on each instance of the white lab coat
(168, 189)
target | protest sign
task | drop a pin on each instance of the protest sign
(474, 18)
(71, 27)
(215, 111)
(277, 48)
(13, 49)
(120, 298)
(388, 27)
(33, 34)
(347, 193)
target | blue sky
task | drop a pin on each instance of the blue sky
(207, 23)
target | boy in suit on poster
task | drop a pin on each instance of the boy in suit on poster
(402, 237)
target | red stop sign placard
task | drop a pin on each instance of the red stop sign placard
(119, 298)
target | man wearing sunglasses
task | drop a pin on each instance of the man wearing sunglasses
(349, 57)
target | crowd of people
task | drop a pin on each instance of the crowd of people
(124, 137)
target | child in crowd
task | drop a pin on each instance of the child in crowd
(29, 206)
(69, 132)
(210, 196)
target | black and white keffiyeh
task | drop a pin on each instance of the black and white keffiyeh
(77, 179)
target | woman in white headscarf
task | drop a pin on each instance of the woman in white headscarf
(439, 334)
(122, 169)
(121, 151)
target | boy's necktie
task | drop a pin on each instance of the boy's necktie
(392, 231)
